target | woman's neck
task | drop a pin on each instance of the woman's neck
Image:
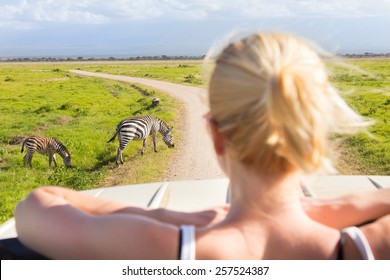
(266, 196)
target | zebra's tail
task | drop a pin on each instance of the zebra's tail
(24, 141)
(112, 138)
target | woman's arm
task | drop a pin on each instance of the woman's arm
(99, 206)
(62, 223)
(79, 229)
(349, 210)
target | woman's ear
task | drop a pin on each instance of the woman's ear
(218, 139)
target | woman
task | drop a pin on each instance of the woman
(271, 107)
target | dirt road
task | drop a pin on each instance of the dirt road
(195, 158)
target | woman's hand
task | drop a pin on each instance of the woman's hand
(349, 210)
(199, 219)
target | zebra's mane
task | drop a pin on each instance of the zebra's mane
(164, 124)
(61, 145)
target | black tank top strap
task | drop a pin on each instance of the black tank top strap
(340, 250)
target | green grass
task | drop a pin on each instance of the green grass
(45, 99)
(365, 85)
(183, 72)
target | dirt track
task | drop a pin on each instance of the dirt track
(195, 158)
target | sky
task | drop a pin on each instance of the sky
(124, 28)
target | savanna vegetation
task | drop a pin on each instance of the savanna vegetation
(46, 99)
(184, 72)
(365, 85)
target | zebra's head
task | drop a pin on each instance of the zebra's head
(66, 159)
(168, 139)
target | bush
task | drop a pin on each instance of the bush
(9, 79)
(43, 109)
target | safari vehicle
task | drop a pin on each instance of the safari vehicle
(192, 195)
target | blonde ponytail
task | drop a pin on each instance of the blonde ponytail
(297, 120)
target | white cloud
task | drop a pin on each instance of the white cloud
(38, 11)
(79, 11)
(132, 9)
(302, 8)
(8, 12)
(345, 8)
(100, 12)
(277, 8)
(65, 15)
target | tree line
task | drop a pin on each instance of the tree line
(159, 57)
(111, 58)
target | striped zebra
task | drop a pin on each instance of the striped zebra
(139, 128)
(44, 145)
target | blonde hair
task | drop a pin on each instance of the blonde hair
(270, 95)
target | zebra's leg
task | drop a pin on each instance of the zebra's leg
(52, 157)
(25, 159)
(154, 141)
(54, 160)
(29, 161)
(119, 157)
(122, 145)
(143, 146)
(29, 158)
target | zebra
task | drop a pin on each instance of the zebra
(45, 145)
(139, 128)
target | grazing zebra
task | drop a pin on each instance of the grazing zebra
(139, 128)
(45, 145)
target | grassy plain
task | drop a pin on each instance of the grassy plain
(182, 72)
(46, 99)
(365, 85)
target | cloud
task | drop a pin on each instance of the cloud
(28, 13)
(133, 10)
(300, 8)
(64, 15)
(8, 12)
(250, 9)
(336, 8)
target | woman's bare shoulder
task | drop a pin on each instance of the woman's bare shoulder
(378, 237)
(217, 244)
